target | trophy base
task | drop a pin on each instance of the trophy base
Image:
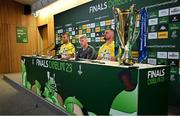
(127, 62)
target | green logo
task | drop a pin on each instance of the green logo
(162, 62)
(155, 76)
(153, 14)
(61, 66)
(163, 20)
(174, 26)
(152, 54)
(112, 3)
(97, 24)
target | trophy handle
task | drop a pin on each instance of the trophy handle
(120, 31)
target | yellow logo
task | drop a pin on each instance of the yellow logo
(77, 36)
(73, 41)
(163, 35)
(108, 22)
(135, 54)
(84, 26)
(97, 29)
(88, 30)
(80, 32)
(102, 39)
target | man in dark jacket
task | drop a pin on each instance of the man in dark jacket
(86, 51)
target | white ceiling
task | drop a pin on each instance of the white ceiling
(26, 2)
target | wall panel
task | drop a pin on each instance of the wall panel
(11, 16)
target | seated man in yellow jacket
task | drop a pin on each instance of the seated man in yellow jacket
(67, 50)
(106, 51)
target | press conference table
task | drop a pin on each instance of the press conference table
(98, 85)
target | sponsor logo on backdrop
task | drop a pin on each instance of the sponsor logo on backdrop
(73, 41)
(84, 32)
(55, 65)
(108, 22)
(155, 76)
(173, 62)
(88, 26)
(153, 14)
(84, 26)
(175, 10)
(152, 54)
(162, 62)
(70, 37)
(112, 3)
(163, 35)
(92, 34)
(97, 24)
(93, 25)
(92, 39)
(174, 34)
(175, 18)
(162, 55)
(92, 30)
(97, 29)
(152, 61)
(153, 28)
(73, 33)
(174, 70)
(164, 12)
(172, 77)
(89, 39)
(102, 23)
(163, 27)
(76, 28)
(173, 55)
(174, 26)
(67, 29)
(70, 28)
(102, 39)
(97, 39)
(60, 31)
(152, 35)
(153, 21)
(97, 35)
(88, 30)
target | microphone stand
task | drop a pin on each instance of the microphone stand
(38, 53)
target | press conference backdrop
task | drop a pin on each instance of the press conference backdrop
(163, 31)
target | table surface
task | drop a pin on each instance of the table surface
(100, 62)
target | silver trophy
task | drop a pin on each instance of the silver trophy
(127, 31)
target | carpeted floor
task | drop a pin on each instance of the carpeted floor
(15, 102)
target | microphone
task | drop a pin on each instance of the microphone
(56, 47)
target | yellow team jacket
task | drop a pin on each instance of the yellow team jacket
(106, 51)
(66, 49)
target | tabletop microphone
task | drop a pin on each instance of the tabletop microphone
(38, 53)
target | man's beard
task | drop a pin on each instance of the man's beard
(105, 38)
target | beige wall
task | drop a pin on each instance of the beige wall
(11, 15)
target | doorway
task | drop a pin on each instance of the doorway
(43, 31)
